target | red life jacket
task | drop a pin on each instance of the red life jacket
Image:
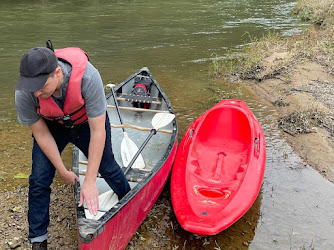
(74, 111)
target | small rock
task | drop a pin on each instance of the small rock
(13, 245)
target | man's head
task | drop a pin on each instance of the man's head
(36, 65)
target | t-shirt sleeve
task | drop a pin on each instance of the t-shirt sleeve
(26, 106)
(93, 92)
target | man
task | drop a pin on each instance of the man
(60, 96)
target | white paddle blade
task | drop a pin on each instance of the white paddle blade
(110, 85)
(128, 151)
(162, 119)
(106, 201)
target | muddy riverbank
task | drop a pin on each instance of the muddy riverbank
(305, 106)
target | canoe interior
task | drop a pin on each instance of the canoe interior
(154, 154)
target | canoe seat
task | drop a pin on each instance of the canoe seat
(136, 175)
(138, 98)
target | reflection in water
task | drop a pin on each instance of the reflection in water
(176, 40)
(297, 204)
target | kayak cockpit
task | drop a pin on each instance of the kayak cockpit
(222, 150)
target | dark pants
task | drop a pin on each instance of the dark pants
(43, 172)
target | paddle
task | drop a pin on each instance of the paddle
(128, 147)
(159, 120)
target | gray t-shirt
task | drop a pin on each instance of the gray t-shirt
(91, 90)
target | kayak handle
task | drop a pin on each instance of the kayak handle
(257, 146)
(256, 141)
(191, 131)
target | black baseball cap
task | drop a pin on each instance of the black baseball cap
(36, 65)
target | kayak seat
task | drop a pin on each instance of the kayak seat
(232, 135)
(224, 169)
(218, 152)
(206, 181)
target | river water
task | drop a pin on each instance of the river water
(177, 41)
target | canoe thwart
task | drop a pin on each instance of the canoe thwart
(140, 128)
(139, 109)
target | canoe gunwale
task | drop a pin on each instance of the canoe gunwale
(92, 228)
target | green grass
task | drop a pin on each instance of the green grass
(248, 62)
(319, 12)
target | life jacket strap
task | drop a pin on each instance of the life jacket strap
(67, 121)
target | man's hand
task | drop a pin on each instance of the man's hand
(69, 177)
(91, 195)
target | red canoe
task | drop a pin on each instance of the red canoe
(118, 220)
(218, 169)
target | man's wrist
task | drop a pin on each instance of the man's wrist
(90, 179)
(62, 170)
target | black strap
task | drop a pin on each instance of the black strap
(49, 45)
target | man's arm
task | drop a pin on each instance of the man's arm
(48, 145)
(89, 190)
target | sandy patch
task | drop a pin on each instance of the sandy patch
(306, 86)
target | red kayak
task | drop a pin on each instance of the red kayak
(218, 169)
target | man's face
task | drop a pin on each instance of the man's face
(49, 87)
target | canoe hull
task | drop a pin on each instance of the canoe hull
(120, 229)
(218, 169)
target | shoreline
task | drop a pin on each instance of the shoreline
(317, 145)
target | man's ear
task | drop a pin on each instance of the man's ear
(58, 71)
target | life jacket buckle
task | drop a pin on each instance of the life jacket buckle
(67, 122)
